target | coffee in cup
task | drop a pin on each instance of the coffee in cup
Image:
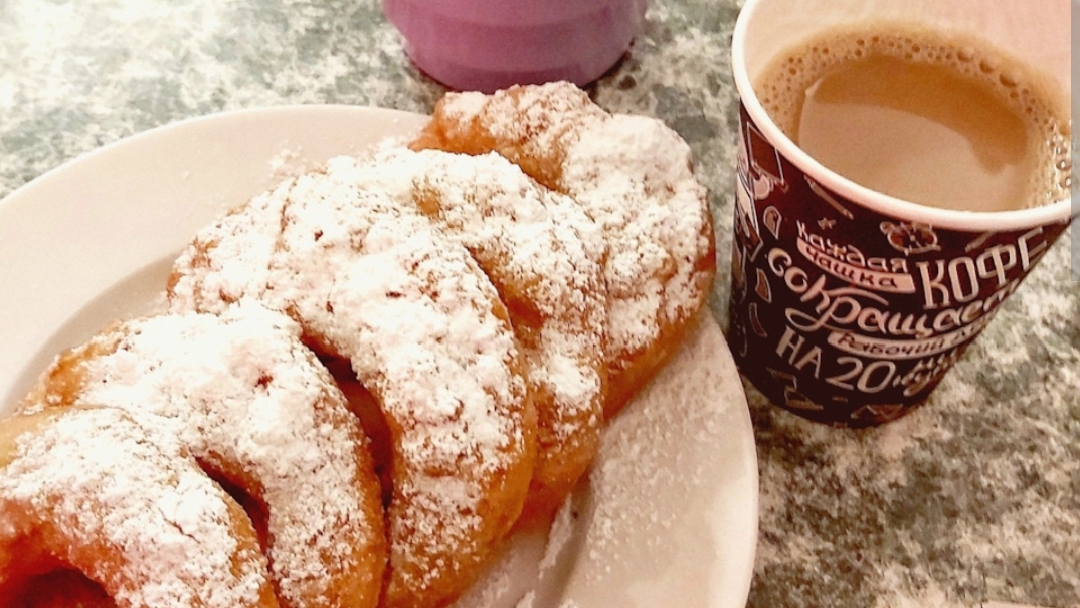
(939, 120)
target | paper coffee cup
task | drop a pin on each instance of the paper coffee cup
(848, 305)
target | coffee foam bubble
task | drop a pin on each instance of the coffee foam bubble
(782, 85)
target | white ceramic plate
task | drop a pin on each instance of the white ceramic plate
(668, 515)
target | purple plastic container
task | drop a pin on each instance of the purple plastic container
(484, 45)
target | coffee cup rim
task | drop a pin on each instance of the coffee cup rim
(1059, 211)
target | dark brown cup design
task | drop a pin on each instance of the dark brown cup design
(844, 314)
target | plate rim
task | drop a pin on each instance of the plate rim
(257, 113)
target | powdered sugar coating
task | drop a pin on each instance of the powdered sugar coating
(655, 208)
(255, 406)
(633, 176)
(126, 504)
(376, 283)
(426, 333)
(544, 255)
(230, 258)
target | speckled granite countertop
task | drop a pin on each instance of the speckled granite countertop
(973, 500)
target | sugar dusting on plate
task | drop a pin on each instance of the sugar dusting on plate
(671, 493)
